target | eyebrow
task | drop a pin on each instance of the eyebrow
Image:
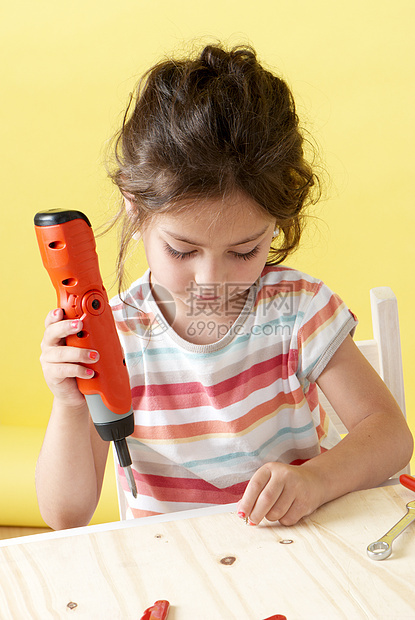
(253, 237)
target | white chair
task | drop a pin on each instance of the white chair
(383, 353)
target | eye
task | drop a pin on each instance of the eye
(247, 255)
(176, 253)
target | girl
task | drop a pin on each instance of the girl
(224, 345)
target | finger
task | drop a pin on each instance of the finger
(68, 371)
(293, 514)
(57, 331)
(303, 504)
(53, 316)
(253, 491)
(65, 354)
(273, 501)
(281, 507)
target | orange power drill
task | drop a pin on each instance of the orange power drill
(67, 246)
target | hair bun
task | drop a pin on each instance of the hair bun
(217, 58)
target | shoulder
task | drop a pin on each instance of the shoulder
(285, 281)
(281, 274)
(299, 294)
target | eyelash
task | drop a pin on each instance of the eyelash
(183, 255)
(247, 255)
(176, 253)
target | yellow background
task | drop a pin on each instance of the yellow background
(67, 69)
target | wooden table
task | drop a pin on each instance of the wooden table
(211, 566)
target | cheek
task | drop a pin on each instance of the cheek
(173, 276)
(249, 270)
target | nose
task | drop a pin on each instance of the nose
(210, 274)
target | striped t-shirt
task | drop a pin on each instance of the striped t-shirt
(208, 416)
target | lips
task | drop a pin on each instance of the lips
(207, 297)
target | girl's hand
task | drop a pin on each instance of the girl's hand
(61, 363)
(281, 492)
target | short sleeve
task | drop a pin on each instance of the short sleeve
(325, 323)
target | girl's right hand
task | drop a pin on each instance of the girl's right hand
(61, 364)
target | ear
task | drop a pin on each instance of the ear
(130, 209)
(128, 202)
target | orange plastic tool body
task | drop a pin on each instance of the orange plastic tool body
(67, 246)
(407, 481)
(68, 253)
(158, 611)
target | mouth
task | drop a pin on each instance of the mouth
(207, 297)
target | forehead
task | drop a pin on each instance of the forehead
(235, 217)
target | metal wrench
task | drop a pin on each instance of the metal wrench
(382, 548)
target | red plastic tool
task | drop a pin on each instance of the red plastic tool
(158, 611)
(407, 481)
(67, 246)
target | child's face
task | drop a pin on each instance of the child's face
(212, 251)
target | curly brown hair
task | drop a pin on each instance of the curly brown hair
(208, 127)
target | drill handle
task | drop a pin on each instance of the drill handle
(67, 246)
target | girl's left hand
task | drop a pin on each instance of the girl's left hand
(281, 492)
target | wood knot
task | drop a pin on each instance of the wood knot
(72, 605)
(228, 561)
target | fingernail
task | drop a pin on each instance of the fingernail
(89, 372)
(75, 324)
(93, 355)
(241, 514)
(250, 522)
(56, 312)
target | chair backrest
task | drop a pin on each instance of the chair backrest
(383, 353)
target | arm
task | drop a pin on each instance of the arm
(379, 444)
(71, 464)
